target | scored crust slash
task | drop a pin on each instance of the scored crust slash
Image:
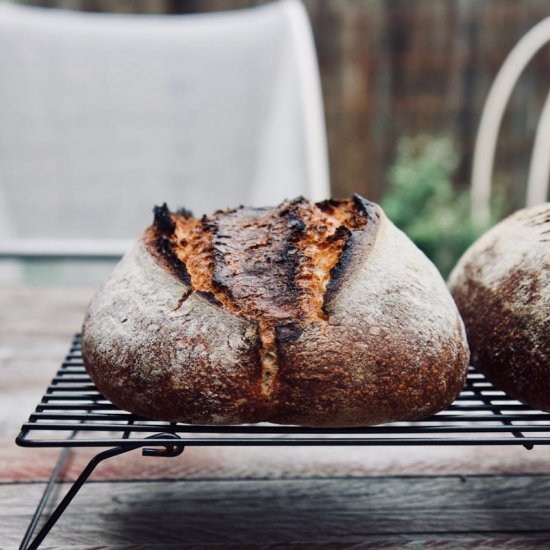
(314, 314)
(270, 265)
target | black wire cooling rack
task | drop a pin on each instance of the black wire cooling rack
(72, 413)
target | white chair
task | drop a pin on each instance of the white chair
(102, 116)
(493, 111)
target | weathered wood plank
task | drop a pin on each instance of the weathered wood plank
(36, 325)
(23, 464)
(262, 512)
(48, 313)
(269, 514)
(380, 542)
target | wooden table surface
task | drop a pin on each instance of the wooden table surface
(404, 497)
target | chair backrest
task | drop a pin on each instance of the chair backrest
(102, 116)
(491, 118)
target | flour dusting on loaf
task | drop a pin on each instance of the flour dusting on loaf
(505, 275)
(315, 314)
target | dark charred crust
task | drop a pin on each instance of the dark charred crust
(288, 333)
(208, 296)
(328, 205)
(162, 221)
(291, 254)
(371, 212)
(368, 209)
(187, 214)
(342, 232)
(183, 298)
(164, 247)
(256, 262)
(337, 273)
(209, 225)
(291, 206)
(362, 213)
(294, 257)
(295, 225)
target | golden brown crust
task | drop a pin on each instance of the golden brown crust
(269, 265)
(321, 315)
(502, 288)
(157, 349)
(373, 373)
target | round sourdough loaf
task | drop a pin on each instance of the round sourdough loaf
(502, 288)
(313, 314)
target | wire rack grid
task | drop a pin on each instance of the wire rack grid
(72, 413)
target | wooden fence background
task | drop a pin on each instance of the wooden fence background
(391, 68)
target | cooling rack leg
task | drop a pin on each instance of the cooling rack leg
(56, 514)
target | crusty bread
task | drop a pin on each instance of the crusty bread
(502, 288)
(319, 315)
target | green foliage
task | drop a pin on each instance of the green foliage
(423, 202)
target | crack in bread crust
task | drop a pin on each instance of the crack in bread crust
(274, 266)
(256, 265)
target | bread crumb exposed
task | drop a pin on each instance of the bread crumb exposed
(268, 265)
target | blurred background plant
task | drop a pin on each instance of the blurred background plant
(423, 201)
